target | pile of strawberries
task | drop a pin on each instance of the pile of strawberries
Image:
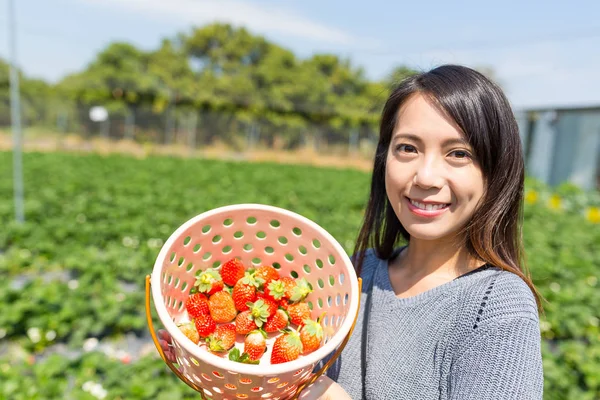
(252, 302)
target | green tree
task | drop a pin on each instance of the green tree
(36, 95)
(237, 85)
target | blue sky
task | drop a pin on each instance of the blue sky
(543, 53)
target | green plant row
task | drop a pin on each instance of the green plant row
(92, 376)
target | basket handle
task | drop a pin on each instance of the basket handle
(159, 348)
(328, 364)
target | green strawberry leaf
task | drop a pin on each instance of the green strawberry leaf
(313, 328)
(277, 289)
(259, 312)
(234, 355)
(251, 280)
(205, 280)
(301, 290)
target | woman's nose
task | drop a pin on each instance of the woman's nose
(429, 173)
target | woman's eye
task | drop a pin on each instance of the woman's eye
(406, 148)
(461, 154)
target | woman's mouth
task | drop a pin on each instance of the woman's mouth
(429, 209)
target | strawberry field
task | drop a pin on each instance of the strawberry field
(73, 325)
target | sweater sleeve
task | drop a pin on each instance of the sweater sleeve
(501, 361)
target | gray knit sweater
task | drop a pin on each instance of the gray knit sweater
(476, 337)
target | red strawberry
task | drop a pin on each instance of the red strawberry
(301, 290)
(277, 322)
(244, 323)
(189, 330)
(205, 325)
(209, 281)
(259, 312)
(196, 305)
(290, 284)
(222, 339)
(270, 303)
(242, 295)
(287, 347)
(298, 313)
(275, 289)
(311, 335)
(221, 307)
(255, 344)
(232, 271)
(283, 303)
(267, 273)
(244, 291)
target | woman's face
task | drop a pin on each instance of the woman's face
(432, 181)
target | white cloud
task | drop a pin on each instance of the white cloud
(266, 19)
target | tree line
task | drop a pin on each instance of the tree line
(222, 79)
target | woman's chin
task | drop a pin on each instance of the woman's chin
(427, 233)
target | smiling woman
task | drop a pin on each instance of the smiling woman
(452, 314)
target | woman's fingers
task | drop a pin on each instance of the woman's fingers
(167, 351)
(165, 343)
(164, 335)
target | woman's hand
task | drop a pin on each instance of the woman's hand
(164, 339)
(324, 389)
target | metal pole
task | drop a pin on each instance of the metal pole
(192, 128)
(15, 116)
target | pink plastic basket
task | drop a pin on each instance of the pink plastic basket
(258, 234)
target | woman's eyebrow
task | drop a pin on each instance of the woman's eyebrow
(446, 143)
(461, 142)
(408, 136)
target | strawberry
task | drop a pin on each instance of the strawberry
(205, 325)
(244, 291)
(196, 305)
(221, 306)
(301, 290)
(232, 271)
(209, 281)
(298, 313)
(270, 303)
(189, 330)
(267, 273)
(255, 344)
(244, 323)
(259, 312)
(290, 284)
(283, 303)
(242, 295)
(277, 322)
(287, 347)
(275, 289)
(311, 335)
(222, 339)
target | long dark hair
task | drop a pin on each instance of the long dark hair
(481, 110)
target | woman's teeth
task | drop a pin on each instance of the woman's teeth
(428, 207)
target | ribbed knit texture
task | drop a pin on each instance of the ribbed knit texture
(476, 337)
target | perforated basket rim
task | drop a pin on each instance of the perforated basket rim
(250, 369)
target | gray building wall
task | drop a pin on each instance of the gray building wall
(562, 145)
